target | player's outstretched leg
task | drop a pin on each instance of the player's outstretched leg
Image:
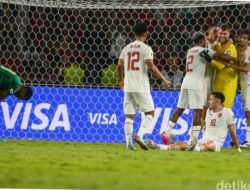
(167, 137)
(152, 145)
(205, 147)
(176, 146)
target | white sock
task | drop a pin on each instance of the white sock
(170, 126)
(128, 129)
(197, 148)
(248, 134)
(164, 147)
(195, 131)
(145, 124)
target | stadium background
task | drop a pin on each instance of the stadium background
(69, 55)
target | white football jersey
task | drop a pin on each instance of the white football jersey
(209, 73)
(217, 124)
(135, 69)
(195, 68)
(245, 77)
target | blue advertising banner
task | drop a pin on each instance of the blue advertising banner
(91, 115)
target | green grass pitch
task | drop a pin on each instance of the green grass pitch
(41, 164)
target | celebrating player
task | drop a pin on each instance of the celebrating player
(244, 68)
(136, 60)
(10, 83)
(219, 120)
(212, 40)
(191, 94)
(226, 77)
(212, 36)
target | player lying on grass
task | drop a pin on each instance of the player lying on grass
(136, 60)
(10, 83)
(219, 120)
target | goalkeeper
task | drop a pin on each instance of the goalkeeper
(10, 83)
(226, 78)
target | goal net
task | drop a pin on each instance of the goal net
(68, 49)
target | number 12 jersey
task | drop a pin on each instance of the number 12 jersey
(135, 70)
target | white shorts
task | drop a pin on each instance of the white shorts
(134, 100)
(203, 141)
(192, 99)
(245, 93)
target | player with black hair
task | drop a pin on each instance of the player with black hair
(226, 78)
(212, 40)
(244, 69)
(135, 61)
(192, 92)
(10, 83)
(219, 121)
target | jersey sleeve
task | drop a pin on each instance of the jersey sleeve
(148, 53)
(122, 55)
(230, 117)
(217, 64)
(210, 52)
(247, 57)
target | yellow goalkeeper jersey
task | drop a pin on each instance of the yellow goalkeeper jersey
(226, 78)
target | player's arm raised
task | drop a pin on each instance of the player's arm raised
(120, 73)
(223, 57)
(217, 60)
(241, 68)
(231, 129)
(155, 71)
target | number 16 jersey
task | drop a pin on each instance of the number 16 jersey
(195, 68)
(135, 69)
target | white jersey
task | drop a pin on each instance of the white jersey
(135, 69)
(195, 69)
(217, 124)
(209, 73)
(211, 45)
(245, 77)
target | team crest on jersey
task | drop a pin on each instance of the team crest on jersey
(220, 115)
(228, 52)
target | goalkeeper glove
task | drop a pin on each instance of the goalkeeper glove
(204, 54)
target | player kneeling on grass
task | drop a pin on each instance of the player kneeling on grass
(10, 83)
(136, 60)
(219, 120)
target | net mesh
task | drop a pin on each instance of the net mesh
(121, 4)
(65, 44)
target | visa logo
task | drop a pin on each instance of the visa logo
(23, 113)
(102, 118)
